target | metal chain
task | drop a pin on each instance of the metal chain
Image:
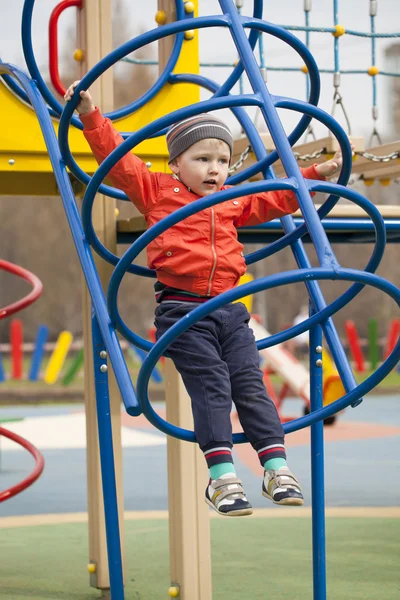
(375, 158)
(242, 158)
(312, 156)
(317, 154)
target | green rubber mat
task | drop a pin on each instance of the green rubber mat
(253, 559)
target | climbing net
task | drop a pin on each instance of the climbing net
(336, 31)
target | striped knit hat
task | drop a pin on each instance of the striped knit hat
(185, 133)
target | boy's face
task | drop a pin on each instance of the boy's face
(203, 167)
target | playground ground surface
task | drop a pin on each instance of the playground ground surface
(253, 559)
(43, 553)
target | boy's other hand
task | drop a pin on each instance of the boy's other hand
(332, 166)
(85, 105)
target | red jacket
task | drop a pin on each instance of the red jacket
(201, 254)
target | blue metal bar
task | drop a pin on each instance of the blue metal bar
(321, 243)
(2, 374)
(344, 175)
(317, 465)
(107, 464)
(316, 231)
(38, 354)
(82, 247)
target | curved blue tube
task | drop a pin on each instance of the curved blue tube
(265, 283)
(170, 29)
(117, 114)
(133, 140)
(180, 214)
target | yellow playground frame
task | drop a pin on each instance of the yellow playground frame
(25, 167)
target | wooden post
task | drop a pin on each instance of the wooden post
(166, 44)
(189, 526)
(96, 40)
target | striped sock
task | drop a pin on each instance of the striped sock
(271, 451)
(218, 455)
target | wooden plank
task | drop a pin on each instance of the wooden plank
(350, 211)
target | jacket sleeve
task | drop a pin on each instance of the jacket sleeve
(263, 207)
(130, 174)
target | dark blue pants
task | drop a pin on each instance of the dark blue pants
(218, 360)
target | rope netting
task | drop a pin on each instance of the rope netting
(336, 31)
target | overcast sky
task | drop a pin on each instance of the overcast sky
(217, 45)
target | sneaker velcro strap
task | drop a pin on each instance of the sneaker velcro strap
(287, 479)
(222, 491)
(221, 483)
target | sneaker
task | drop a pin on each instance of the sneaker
(282, 487)
(227, 497)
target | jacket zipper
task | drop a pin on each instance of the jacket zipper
(213, 251)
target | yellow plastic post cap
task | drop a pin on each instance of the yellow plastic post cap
(78, 55)
(189, 7)
(173, 591)
(91, 568)
(161, 17)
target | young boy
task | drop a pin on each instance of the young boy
(195, 260)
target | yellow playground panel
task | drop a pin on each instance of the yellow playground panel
(333, 387)
(25, 167)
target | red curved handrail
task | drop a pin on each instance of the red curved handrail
(27, 300)
(53, 42)
(39, 465)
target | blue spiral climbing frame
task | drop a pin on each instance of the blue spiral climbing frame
(106, 318)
